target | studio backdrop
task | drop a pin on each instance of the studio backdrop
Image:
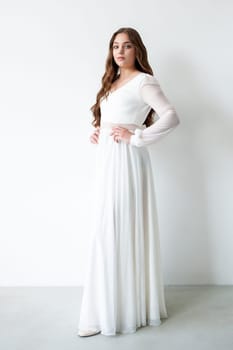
(52, 58)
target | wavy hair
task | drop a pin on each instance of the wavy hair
(111, 72)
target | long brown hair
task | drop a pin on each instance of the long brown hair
(111, 72)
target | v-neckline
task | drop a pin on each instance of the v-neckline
(112, 92)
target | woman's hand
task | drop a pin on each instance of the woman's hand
(94, 138)
(121, 134)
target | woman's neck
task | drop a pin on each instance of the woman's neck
(127, 73)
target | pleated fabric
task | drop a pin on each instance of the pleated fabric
(123, 287)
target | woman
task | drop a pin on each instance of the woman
(124, 286)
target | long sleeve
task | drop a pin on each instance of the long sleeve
(153, 95)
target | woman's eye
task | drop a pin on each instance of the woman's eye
(127, 46)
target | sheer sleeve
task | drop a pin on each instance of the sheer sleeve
(153, 95)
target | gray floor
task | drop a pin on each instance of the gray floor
(46, 318)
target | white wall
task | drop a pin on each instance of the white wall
(52, 56)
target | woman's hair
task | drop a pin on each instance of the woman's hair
(111, 72)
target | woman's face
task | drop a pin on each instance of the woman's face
(123, 51)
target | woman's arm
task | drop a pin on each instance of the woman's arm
(153, 95)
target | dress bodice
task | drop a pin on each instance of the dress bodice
(125, 105)
(130, 105)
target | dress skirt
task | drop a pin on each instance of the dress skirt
(123, 287)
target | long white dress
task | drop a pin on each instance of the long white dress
(123, 287)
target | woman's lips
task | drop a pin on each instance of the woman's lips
(120, 58)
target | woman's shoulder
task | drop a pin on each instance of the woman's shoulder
(148, 79)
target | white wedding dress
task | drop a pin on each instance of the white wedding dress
(124, 285)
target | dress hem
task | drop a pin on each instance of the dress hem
(153, 323)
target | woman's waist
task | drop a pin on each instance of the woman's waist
(131, 127)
